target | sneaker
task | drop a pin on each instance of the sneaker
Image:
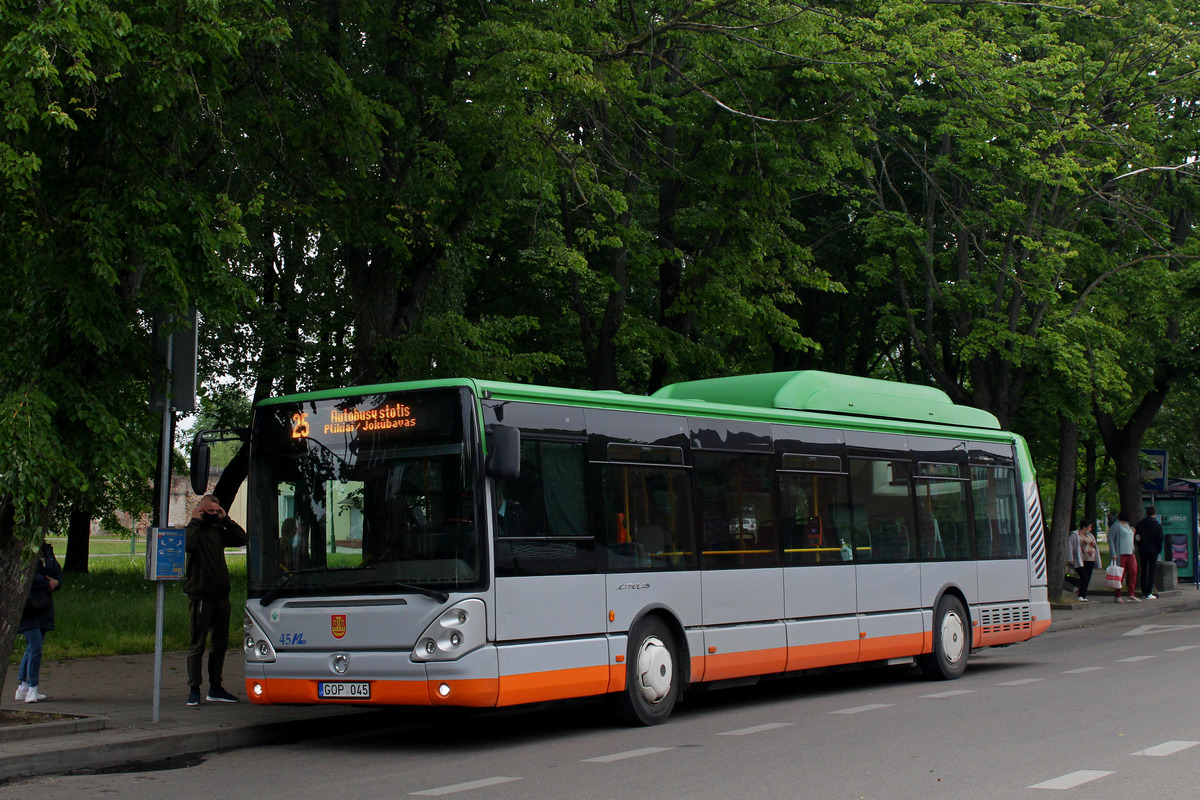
(218, 695)
(1133, 599)
(32, 695)
(194, 696)
(1118, 599)
(21, 690)
(1083, 599)
(1151, 597)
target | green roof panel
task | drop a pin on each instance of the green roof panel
(828, 392)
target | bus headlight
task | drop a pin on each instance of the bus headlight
(457, 631)
(255, 645)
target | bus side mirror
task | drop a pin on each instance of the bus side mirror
(200, 463)
(504, 452)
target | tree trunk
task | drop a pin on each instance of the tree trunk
(1124, 444)
(1091, 507)
(79, 542)
(1064, 499)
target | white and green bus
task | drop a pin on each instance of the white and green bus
(477, 543)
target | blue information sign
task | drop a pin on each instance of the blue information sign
(164, 554)
(1154, 470)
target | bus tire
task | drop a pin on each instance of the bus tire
(951, 641)
(651, 675)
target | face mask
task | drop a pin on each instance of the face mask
(210, 518)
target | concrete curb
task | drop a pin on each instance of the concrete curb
(36, 730)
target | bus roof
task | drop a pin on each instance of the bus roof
(831, 393)
(858, 402)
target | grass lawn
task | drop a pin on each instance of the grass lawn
(111, 610)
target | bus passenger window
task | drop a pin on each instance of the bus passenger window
(998, 529)
(944, 532)
(883, 519)
(541, 517)
(647, 523)
(737, 511)
(815, 518)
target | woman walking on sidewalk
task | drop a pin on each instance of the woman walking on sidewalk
(1084, 556)
(1120, 547)
(37, 619)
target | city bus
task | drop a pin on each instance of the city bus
(477, 543)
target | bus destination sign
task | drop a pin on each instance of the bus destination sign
(387, 417)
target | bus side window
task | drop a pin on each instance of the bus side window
(997, 524)
(541, 517)
(813, 524)
(647, 522)
(737, 510)
(883, 520)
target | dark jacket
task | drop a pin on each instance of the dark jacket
(39, 607)
(1148, 534)
(205, 574)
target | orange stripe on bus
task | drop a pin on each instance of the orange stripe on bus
(830, 654)
(883, 647)
(751, 662)
(536, 687)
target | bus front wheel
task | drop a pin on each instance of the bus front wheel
(951, 641)
(651, 675)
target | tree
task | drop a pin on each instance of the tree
(111, 164)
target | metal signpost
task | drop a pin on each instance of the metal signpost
(164, 562)
(165, 546)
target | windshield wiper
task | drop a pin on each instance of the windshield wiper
(436, 594)
(266, 599)
(269, 597)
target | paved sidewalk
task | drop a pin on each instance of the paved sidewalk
(114, 697)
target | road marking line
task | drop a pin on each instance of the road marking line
(1184, 649)
(1080, 671)
(861, 709)
(466, 787)
(1143, 630)
(1071, 780)
(954, 693)
(1021, 682)
(645, 751)
(1166, 749)
(1134, 659)
(770, 726)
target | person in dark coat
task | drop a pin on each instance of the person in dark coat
(206, 584)
(37, 618)
(1148, 537)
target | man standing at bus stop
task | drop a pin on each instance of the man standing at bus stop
(1148, 535)
(206, 584)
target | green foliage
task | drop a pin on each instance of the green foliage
(112, 609)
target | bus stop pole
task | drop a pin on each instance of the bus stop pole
(164, 510)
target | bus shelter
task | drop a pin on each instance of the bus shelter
(1177, 510)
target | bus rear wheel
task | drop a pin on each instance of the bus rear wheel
(951, 642)
(651, 675)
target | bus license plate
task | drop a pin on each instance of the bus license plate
(331, 690)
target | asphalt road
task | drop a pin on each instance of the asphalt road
(1096, 713)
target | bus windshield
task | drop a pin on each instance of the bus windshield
(366, 494)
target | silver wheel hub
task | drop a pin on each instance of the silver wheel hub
(655, 671)
(954, 638)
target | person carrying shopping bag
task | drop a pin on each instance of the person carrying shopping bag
(1120, 548)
